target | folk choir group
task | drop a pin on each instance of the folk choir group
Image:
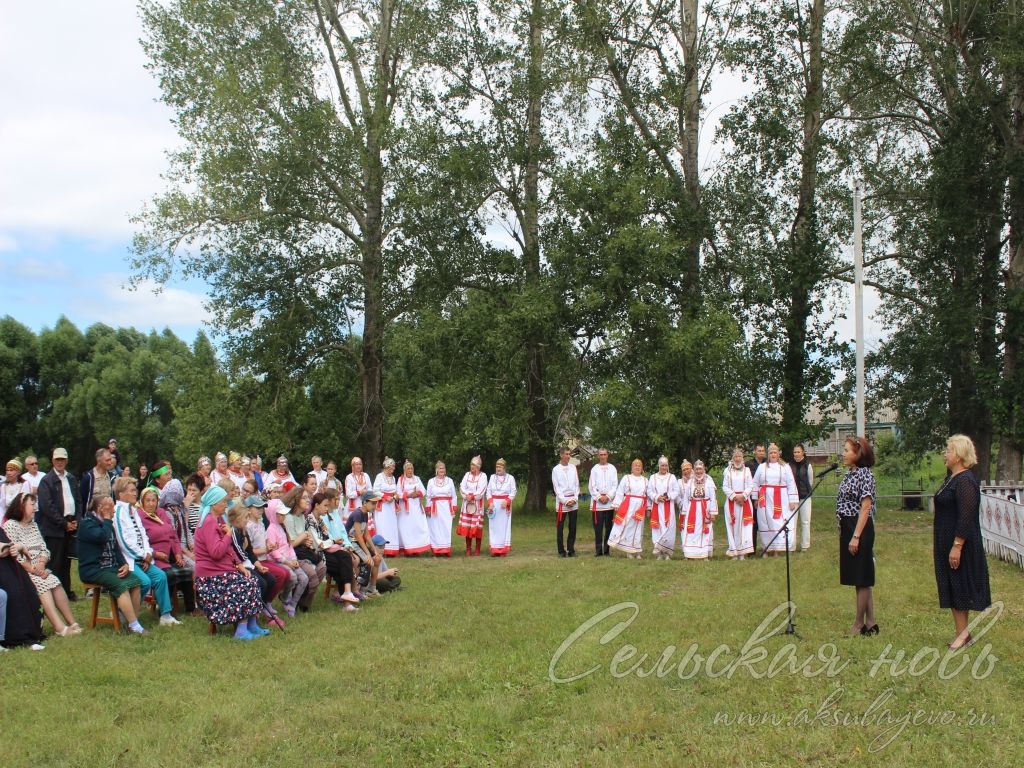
(683, 508)
(414, 517)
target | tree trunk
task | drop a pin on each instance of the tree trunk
(689, 140)
(805, 256)
(1011, 441)
(537, 427)
(373, 236)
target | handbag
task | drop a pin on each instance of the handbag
(302, 552)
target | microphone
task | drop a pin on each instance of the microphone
(831, 468)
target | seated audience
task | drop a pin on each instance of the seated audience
(20, 527)
(20, 622)
(100, 561)
(225, 590)
(166, 545)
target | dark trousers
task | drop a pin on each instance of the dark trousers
(60, 561)
(339, 566)
(572, 533)
(602, 530)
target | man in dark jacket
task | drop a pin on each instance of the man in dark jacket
(58, 513)
(98, 481)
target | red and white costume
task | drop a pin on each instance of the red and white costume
(698, 509)
(386, 516)
(663, 518)
(413, 535)
(441, 501)
(630, 511)
(356, 486)
(739, 515)
(471, 516)
(501, 492)
(775, 488)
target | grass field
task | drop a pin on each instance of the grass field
(456, 670)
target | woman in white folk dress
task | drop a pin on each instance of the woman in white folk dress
(662, 492)
(357, 483)
(699, 505)
(386, 516)
(441, 502)
(738, 486)
(471, 516)
(501, 492)
(776, 492)
(412, 522)
(630, 511)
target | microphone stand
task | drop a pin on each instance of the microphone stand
(790, 626)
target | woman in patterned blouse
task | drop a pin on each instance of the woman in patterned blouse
(855, 509)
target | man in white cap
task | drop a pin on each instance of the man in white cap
(59, 510)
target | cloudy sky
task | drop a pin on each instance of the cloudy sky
(82, 142)
(82, 146)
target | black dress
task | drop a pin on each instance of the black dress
(24, 614)
(957, 513)
(856, 570)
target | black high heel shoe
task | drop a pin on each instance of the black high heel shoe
(870, 630)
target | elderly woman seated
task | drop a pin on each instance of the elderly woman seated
(137, 550)
(19, 601)
(225, 589)
(166, 545)
(100, 561)
(20, 526)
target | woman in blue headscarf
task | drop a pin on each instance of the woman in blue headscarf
(225, 589)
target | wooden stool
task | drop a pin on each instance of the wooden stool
(327, 587)
(94, 618)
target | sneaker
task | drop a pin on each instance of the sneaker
(290, 610)
(360, 595)
(35, 647)
(72, 597)
(277, 621)
(348, 597)
(245, 636)
(76, 628)
(350, 609)
(260, 632)
(89, 591)
(372, 592)
(168, 621)
(142, 633)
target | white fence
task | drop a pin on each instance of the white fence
(1002, 522)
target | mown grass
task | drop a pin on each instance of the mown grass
(454, 670)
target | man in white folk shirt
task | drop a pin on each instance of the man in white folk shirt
(566, 483)
(602, 484)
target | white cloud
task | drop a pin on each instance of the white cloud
(82, 139)
(32, 270)
(144, 307)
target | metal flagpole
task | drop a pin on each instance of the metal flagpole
(858, 302)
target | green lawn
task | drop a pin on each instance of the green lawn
(454, 670)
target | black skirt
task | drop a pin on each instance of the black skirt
(856, 570)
